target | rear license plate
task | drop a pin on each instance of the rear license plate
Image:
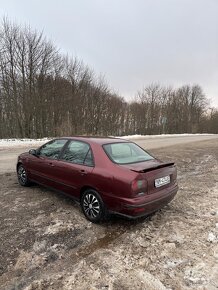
(162, 181)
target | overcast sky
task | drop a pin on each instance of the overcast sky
(132, 42)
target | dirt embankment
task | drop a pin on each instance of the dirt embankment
(46, 243)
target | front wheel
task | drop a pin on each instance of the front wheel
(22, 176)
(92, 206)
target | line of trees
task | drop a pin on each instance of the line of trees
(45, 93)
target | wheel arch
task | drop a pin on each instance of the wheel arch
(84, 188)
(18, 164)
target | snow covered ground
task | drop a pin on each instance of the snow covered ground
(162, 136)
(20, 142)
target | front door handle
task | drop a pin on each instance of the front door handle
(51, 164)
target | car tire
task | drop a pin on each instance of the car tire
(92, 206)
(22, 176)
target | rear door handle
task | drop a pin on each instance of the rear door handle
(83, 172)
(51, 164)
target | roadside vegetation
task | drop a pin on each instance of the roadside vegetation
(46, 93)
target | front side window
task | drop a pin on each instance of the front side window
(78, 152)
(52, 149)
(125, 153)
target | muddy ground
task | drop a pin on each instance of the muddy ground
(46, 243)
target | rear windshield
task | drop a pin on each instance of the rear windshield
(125, 153)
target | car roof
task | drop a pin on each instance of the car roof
(95, 139)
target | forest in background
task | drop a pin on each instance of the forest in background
(45, 93)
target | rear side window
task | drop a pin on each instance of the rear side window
(125, 153)
(79, 153)
(52, 149)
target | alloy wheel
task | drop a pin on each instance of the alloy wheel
(22, 175)
(91, 206)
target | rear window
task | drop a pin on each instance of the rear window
(125, 153)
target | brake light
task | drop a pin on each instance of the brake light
(139, 186)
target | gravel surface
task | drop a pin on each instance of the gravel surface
(46, 243)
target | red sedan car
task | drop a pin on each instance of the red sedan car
(106, 175)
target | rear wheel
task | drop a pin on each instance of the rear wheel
(22, 176)
(92, 206)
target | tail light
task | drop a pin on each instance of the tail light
(139, 186)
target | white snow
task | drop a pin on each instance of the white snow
(162, 136)
(211, 237)
(22, 142)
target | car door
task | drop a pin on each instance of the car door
(42, 166)
(74, 168)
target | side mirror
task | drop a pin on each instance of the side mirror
(33, 152)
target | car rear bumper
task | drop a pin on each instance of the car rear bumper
(136, 208)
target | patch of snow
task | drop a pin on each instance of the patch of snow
(58, 226)
(22, 142)
(173, 263)
(162, 136)
(211, 237)
(195, 274)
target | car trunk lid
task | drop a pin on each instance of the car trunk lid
(159, 175)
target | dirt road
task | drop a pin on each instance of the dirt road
(46, 243)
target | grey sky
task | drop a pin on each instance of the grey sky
(133, 43)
